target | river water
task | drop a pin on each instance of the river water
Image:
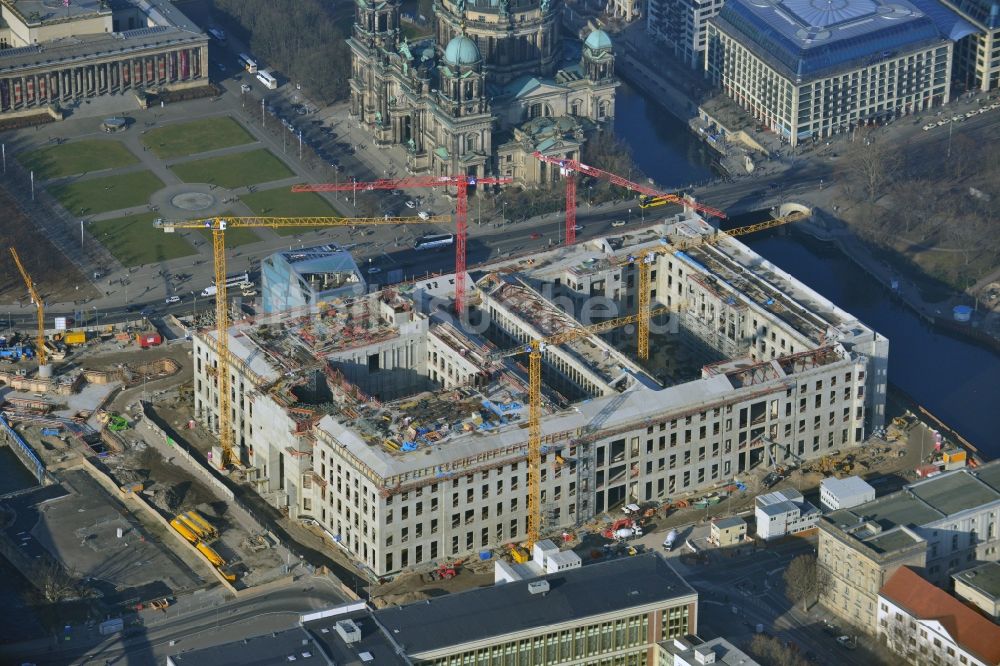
(956, 380)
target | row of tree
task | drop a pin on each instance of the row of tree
(300, 39)
(942, 197)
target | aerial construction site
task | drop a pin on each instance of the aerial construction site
(403, 430)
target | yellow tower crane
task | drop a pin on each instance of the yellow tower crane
(218, 226)
(534, 350)
(39, 307)
(647, 257)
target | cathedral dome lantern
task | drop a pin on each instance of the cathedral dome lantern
(598, 58)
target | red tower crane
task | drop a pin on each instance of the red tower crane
(460, 183)
(572, 167)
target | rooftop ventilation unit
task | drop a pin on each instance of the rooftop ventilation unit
(538, 587)
(349, 631)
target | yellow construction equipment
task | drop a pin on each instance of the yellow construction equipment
(184, 531)
(218, 226)
(40, 349)
(210, 554)
(645, 258)
(202, 533)
(535, 349)
(204, 527)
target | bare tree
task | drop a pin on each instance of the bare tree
(804, 580)
(55, 584)
(873, 164)
(770, 650)
(901, 639)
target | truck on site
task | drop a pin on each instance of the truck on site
(147, 340)
(668, 543)
(74, 337)
(112, 626)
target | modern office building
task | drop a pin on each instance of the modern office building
(614, 613)
(490, 70)
(844, 493)
(682, 25)
(55, 54)
(980, 586)
(926, 625)
(807, 71)
(939, 526)
(400, 432)
(783, 512)
(302, 279)
(977, 55)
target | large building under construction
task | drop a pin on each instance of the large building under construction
(403, 432)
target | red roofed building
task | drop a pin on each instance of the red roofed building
(927, 625)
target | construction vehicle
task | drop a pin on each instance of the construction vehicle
(445, 571)
(569, 168)
(74, 338)
(184, 531)
(461, 184)
(44, 369)
(16, 353)
(218, 228)
(535, 349)
(117, 423)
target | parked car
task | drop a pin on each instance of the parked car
(424, 215)
(173, 299)
(245, 87)
(618, 223)
(848, 642)
(411, 203)
(374, 269)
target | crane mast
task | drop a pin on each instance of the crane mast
(39, 310)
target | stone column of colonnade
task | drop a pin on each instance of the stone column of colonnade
(26, 91)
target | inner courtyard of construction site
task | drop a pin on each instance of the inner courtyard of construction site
(672, 360)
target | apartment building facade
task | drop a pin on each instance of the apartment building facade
(682, 25)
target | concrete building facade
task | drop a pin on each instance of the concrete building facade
(489, 70)
(682, 25)
(51, 58)
(402, 434)
(805, 72)
(939, 526)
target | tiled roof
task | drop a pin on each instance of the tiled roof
(969, 629)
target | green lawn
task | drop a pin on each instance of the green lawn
(234, 237)
(198, 136)
(135, 241)
(237, 170)
(99, 195)
(76, 157)
(282, 202)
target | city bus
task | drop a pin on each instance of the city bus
(248, 63)
(431, 241)
(267, 79)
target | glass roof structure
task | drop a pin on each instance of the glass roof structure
(806, 39)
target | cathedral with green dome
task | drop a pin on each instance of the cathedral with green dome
(494, 84)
